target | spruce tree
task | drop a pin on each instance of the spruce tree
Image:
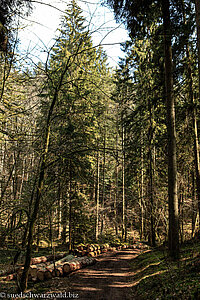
(78, 114)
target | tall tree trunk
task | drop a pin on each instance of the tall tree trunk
(50, 229)
(194, 211)
(103, 187)
(180, 205)
(70, 207)
(22, 178)
(38, 236)
(141, 191)
(116, 188)
(97, 198)
(123, 186)
(64, 210)
(192, 102)
(197, 8)
(59, 211)
(24, 278)
(151, 175)
(173, 238)
(195, 128)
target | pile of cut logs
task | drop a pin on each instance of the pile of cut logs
(43, 268)
(139, 245)
(92, 250)
(47, 267)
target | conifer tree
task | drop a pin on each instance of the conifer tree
(81, 99)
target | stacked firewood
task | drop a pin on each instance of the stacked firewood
(42, 269)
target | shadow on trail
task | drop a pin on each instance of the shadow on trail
(109, 278)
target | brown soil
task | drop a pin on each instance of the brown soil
(110, 278)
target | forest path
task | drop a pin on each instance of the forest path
(110, 278)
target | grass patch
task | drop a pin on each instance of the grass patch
(157, 277)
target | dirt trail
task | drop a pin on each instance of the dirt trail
(109, 278)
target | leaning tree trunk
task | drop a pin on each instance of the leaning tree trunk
(173, 238)
(43, 163)
(24, 278)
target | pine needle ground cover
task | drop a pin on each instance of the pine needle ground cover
(157, 277)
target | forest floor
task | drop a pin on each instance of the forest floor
(126, 274)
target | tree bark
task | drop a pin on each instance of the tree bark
(59, 212)
(70, 207)
(197, 9)
(151, 177)
(97, 198)
(116, 189)
(141, 190)
(103, 188)
(194, 211)
(173, 238)
(123, 186)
